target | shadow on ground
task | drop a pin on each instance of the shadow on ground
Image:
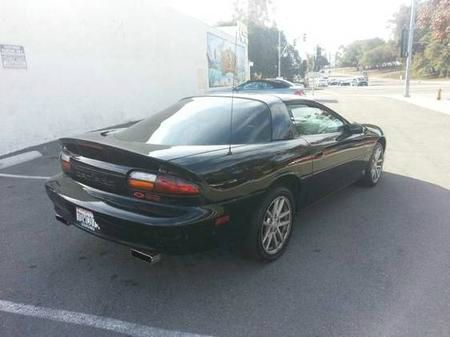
(359, 263)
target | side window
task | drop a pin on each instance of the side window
(265, 86)
(282, 126)
(250, 86)
(313, 121)
(251, 123)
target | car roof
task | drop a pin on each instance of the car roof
(281, 83)
(289, 98)
(265, 98)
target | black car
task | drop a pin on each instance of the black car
(211, 169)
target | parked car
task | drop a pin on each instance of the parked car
(197, 174)
(359, 82)
(345, 83)
(322, 82)
(333, 82)
(276, 86)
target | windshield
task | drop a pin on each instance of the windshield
(204, 121)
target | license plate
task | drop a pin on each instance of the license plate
(86, 219)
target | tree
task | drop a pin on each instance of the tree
(433, 20)
(431, 53)
(291, 63)
(263, 41)
(381, 54)
(253, 12)
(320, 62)
(263, 51)
(353, 54)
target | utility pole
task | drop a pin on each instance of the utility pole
(410, 44)
(279, 53)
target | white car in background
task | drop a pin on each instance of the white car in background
(322, 82)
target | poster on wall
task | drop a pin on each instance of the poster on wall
(13, 56)
(222, 57)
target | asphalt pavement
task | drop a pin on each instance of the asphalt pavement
(361, 262)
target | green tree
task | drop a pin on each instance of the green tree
(353, 54)
(255, 12)
(431, 38)
(262, 50)
(433, 56)
(377, 56)
(263, 41)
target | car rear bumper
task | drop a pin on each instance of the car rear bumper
(189, 229)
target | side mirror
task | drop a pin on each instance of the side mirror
(355, 128)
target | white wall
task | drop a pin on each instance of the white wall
(94, 63)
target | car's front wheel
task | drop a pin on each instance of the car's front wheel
(374, 168)
(271, 225)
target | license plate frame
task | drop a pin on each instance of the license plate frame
(86, 219)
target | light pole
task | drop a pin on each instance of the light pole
(279, 53)
(410, 44)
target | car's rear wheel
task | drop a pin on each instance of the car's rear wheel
(271, 226)
(374, 168)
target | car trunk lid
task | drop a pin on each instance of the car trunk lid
(104, 163)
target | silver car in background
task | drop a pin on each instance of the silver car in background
(278, 86)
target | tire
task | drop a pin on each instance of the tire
(374, 169)
(263, 228)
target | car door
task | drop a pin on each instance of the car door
(338, 155)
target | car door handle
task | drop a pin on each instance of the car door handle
(318, 155)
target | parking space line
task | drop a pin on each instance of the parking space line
(99, 322)
(19, 159)
(5, 175)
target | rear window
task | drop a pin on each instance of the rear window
(282, 83)
(204, 121)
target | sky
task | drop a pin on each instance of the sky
(325, 22)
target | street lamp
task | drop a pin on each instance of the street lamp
(410, 44)
(281, 52)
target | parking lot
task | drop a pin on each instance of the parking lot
(361, 262)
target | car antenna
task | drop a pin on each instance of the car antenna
(232, 88)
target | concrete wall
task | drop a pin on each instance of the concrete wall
(95, 63)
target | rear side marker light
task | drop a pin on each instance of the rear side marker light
(222, 220)
(65, 161)
(299, 92)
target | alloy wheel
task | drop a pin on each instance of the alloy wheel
(277, 223)
(376, 167)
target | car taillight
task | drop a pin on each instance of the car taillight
(65, 161)
(166, 184)
(141, 181)
(299, 92)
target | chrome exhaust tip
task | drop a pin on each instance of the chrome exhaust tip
(149, 257)
(61, 219)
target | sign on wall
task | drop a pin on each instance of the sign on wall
(13, 56)
(226, 61)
